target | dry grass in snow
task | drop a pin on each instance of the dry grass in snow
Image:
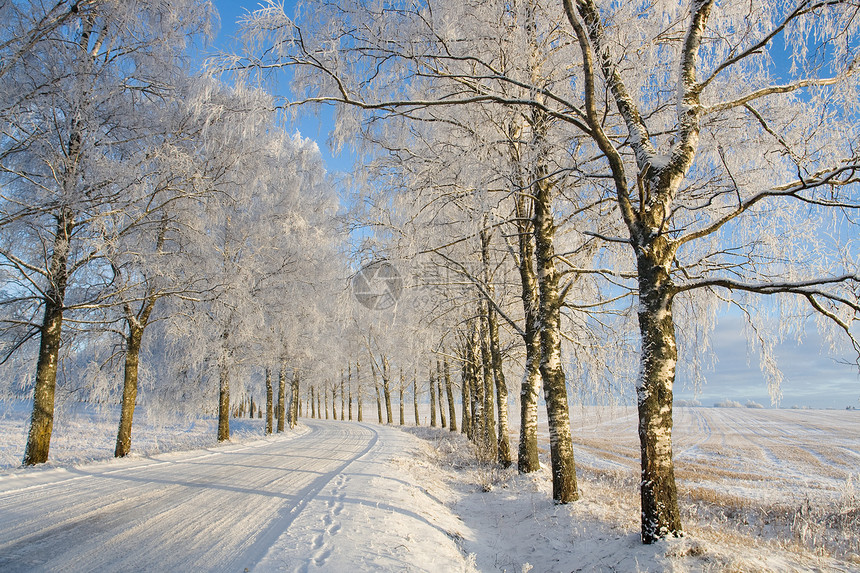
(736, 519)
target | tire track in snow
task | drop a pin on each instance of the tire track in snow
(218, 510)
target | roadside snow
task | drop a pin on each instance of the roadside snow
(517, 528)
(762, 490)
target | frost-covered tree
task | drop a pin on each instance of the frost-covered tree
(81, 90)
(440, 67)
(718, 151)
(268, 241)
(726, 134)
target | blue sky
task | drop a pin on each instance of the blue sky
(813, 376)
(310, 125)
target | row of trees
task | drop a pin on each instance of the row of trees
(348, 396)
(595, 179)
(568, 192)
(158, 229)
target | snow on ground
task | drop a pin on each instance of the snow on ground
(84, 432)
(761, 490)
(326, 498)
(788, 476)
(376, 515)
(518, 528)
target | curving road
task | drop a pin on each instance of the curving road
(221, 509)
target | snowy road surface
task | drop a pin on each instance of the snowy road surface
(330, 499)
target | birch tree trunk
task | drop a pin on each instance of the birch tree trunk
(503, 439)
(449, 391)
(134, 338)
(313, 404)
(360, 393)
(282, 396)
(477, 404)
(402, 391)
(386, 390)
(564, 486)
(342, 398)
(294, 420)
(415, 399)
(269, 402)
(659, 497)
(432, 398)
(439, 390)
(129, 390)
(42, 418)
(503, 445)
(224, 402)
(466, 400)
(349, 384)
(527, 452)
(488, 423)
(378, 405)
(334, 401)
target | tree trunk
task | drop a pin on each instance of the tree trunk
(527, 453)
(488, 422)
(342, 398)
(224, 403)
(478, 418)
(402, 391)
(269, 402)
(564, 487)
(282, 396)
(415, 398)
(432, 399)
(466, 403)
(42, 418)
(378, 394)
(349, 384)
(449, 391)
(295, 403)
(440, 391)
(129, 389)
(386, 390)
(360, 392)
(504, 443)
(134, 338)
(378, 405)
(313, 404)
(325, 398)
(658, 492)
(334, 401)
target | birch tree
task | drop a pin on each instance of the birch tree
(715, 173)
(79, 89)
(714, 153)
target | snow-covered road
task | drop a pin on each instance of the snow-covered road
(330, 499)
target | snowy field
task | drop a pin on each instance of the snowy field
(761, 490)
